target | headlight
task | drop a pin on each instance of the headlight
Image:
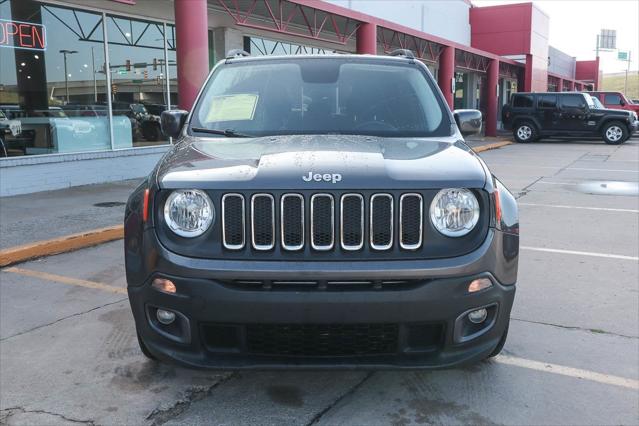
(454, 211)
(189, 212)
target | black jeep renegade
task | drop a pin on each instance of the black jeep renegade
(321, 212)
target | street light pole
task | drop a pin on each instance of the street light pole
(95, 82)
(66, 52)
(625, 84)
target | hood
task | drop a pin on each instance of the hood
(614, 111)
(320, 162)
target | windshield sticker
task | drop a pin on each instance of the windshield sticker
(238, 107)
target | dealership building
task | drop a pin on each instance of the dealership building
(82, 82)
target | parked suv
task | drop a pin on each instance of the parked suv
(321, 211)
(616, 100)
(532, 116)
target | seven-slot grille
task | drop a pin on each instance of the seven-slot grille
(324, 221)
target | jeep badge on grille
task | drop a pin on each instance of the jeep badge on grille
(326, 177)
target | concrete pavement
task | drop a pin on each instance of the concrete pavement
(68, 352)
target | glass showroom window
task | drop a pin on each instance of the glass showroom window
(139, 71)
(52, 82)
(258, 46)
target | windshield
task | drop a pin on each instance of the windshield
(322, 96)
(597, 103)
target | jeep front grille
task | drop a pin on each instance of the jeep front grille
(323, 221)
(352, 221)
(410, 221)
(292, 221)
(381, 222)
(263, 221)
(233, 221)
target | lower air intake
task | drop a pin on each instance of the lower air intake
(322, 340)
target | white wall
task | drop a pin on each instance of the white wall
(448, 19)
(24, 175)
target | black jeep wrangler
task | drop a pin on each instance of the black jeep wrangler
(321, 211)
(532, 116)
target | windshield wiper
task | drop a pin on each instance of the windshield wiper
(229, 133)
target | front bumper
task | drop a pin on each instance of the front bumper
(429, 310)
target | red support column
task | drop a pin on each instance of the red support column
(367, 39)
(191, 32)
(446, 74)
(560, 85)
(571, 86)
(492, 80)
(528, 76)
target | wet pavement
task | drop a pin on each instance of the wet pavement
(68, 351)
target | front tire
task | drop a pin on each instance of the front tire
(501, 343)
(614, 133)
(145, 350)
(525, 132)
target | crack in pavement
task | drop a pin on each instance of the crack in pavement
(62, 319)
(571, 163)
(526, 189)
(317, 417)
(192, 394)
(10, 412)
(572, 327)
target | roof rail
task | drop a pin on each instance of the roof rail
(236, 53)
(403, 52)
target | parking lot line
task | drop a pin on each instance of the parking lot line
(65, 280)
(568, 371)
(556, 183)
(602, 170)
(579, 207)
(581, 253)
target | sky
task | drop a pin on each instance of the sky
(574, 25)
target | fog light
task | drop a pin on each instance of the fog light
(479, 284)
(166, 317)
(476, 317)
(164, 285)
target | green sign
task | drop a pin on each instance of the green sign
(622, 56)
(122, 71)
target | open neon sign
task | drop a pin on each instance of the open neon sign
(22, 35)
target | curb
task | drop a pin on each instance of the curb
(490, 146)
(95, 237)
(60, 245)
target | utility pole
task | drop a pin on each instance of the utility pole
(625, 84)
(95, 82)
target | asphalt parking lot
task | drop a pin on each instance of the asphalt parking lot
(69, 354)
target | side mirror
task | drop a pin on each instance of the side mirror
(622, 102)
(171, 122)
(468, 121)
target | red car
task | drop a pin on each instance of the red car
(616, 100)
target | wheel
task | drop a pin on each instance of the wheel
(525, 132)
(145, 350)
(501, 343)
(614, 133)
